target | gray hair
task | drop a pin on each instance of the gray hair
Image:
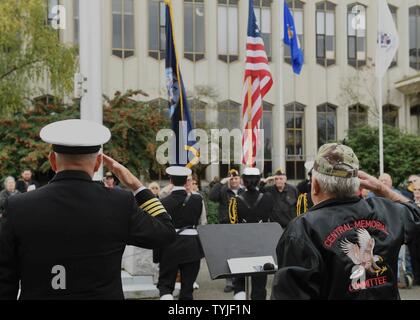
(337, 187)
(9, 178)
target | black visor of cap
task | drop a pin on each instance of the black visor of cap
(75, 150)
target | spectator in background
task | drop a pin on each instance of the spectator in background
(9, 190)
(414, 246)
(26, 181)
(195, 189)
(408, 193)
(155, 188)
(109, 180)
(416, 192)
(386, 180)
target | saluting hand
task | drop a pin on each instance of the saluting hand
(122, 173)
(371, 183)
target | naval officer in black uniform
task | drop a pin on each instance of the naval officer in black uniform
(185, 253)
(66, 240)
(252, 206)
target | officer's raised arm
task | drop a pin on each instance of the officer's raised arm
(150, 226)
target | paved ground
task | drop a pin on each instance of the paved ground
(213, 290)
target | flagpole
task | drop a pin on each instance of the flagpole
(249, 110)
(379, 101)
(90, 57)
(279, 150)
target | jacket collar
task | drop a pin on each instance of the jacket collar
(333, 202)
(71, 175)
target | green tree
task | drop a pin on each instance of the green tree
(30, 54)
(401, 151)
(133, 125)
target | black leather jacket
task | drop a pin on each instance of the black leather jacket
(344, 249)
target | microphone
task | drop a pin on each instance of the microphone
(268, 266)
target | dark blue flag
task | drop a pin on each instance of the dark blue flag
(291, 39)
(178, 104)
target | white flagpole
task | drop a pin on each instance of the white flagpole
(381, 127)
(91, 62)
(279, 149)
(379, 102)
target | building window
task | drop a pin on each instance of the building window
(394, 10)
(76, 21)
(227, 28)
(267, 126)
(295, 153)
(325, 33)
(358, 116)
(390, 115)
(415, 119)
(194, 34)
(123, 28)
(229, 115)
(157, 29)
(415, 37)
(356, 35)
(198, 113)
(296, 7)
(262, 9)
(327, 124)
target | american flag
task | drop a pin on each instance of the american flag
(257, 82)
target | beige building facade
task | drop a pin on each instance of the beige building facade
(335, 91)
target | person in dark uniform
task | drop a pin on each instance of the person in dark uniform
(66, 239)
(284, 195)
(222, 192)
(251, 207)
(304, 202)
(185, 253)
(345, 247)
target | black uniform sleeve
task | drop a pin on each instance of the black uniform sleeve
(300, 265)
(215, 192)
(150, 226)
(9, 277)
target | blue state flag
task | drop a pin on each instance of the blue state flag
(178, 104)
(291, 39)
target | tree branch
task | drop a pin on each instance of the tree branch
(16, 68)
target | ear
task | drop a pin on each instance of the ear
(315, 188)
(98, 162)
(53, 161)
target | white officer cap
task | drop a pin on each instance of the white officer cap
(75, 136)
(251, 172)
(177, 171)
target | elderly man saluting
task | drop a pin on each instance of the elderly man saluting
(66, 240)
(345, 247)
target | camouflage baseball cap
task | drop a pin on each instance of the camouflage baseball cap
(337, 160)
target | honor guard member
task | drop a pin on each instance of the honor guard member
(284, 195)
(345, 247)
(221, 193)
(66, 239)
(185, 253)
(251, 207)
(304, 202)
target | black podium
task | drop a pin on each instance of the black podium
(247, 249)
